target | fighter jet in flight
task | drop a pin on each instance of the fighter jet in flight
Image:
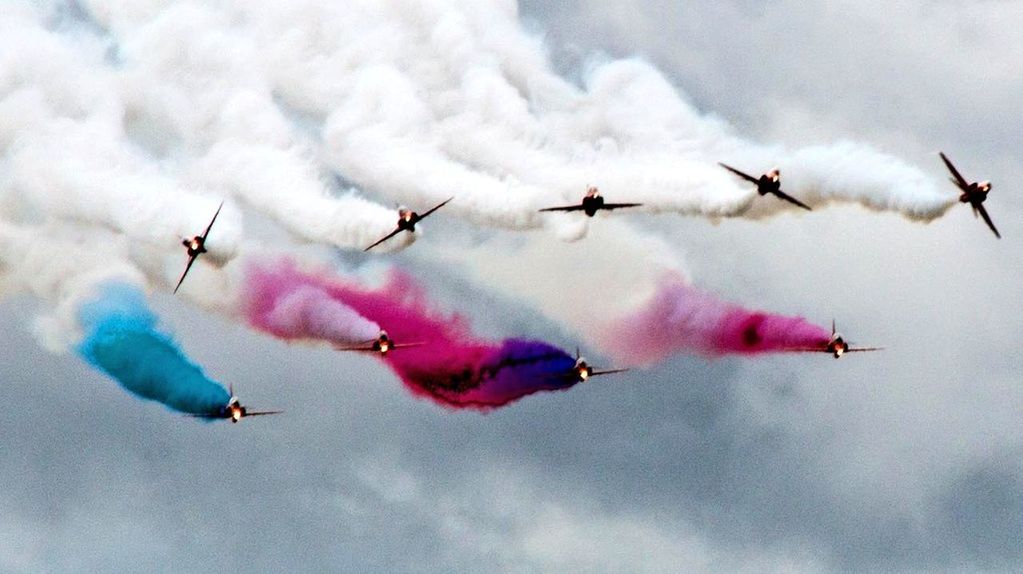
(973, 193)
(838, 346)
(383, 344)
(582, 370)
(196, 246)
(407, 220)
(233, 410)
(591, 204)
(770, 182)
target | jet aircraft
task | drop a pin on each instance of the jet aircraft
(973, 193)
(196, 246)
(581, 371)
(383, 344)
(592, 203)
(770, 182)
(407, 220)
(838, 346)
(233, 410)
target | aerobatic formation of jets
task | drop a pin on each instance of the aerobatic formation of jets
(973, 193)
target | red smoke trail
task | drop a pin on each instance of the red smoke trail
(680, 318)
(452, 366)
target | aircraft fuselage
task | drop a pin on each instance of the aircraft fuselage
(837, 346)
(975, 193)
(407, 222)
(592, 204)
(382, 345)
(195, 245)
(767, 184)
(583, 370)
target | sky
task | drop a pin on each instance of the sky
(903, 460)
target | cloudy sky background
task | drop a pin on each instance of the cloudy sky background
(903, 460)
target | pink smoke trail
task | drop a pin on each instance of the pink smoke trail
(451, 367)
(680, 318)
(302, 309)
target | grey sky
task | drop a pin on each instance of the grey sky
(906, 460)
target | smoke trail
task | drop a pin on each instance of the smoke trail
(452, 366)
(302, 309)
(84, 138)
(110, 125)
(639, 309)
(121, 339)
(453, 98)
(221, 107)
(681, 318)
(65, 150)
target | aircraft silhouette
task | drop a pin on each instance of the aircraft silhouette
(769, 182)
(382, 344)
(196, 246)
(591, 203)
(233, 410)
(973, 193)
(407, 220)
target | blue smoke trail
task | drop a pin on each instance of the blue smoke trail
(121, 339)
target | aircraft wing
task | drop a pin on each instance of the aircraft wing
(987, 218)
(203, 416)
(353, 348)
(826, 350)
(569, 374)
(363, 346)
(396, 231)
(210, 226)
(784, 196)
(574, 375)
(959, 180)
(564, 208)
(368, 348)
(258, 413)
(435, 208)
(191, 260)
(619, 205)
(607, 372)
(745, 176)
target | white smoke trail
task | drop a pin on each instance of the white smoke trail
(232, 136)
(143, 122)
(65, 153)
(421, 101)
(86, 139)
